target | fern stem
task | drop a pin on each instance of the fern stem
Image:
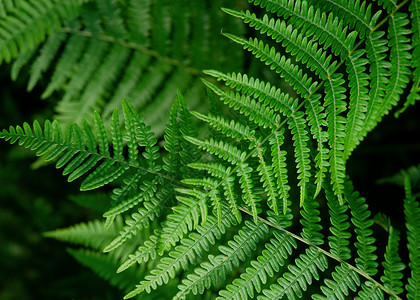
(335, 257)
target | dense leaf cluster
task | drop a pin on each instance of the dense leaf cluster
(272, 149)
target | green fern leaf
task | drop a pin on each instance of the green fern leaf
(141, 219)
(411, 211)
(266, 265)
(236, 156)
(344, 279)
(296, 124)
(43, 61)
(216, 269)
(400, 59)
(340, 239)
(355, 13)
(76, 149)
(225, 174)
(415, 89)
(339, 76)
(366, 260)
(185, 253)
(258, 113)
(358, 100)
(392, 264)
(144, 50)
(148, 189)
(185, 218)
(280, 167)
(142, 254)
(27, 25)
(277, 62)
(299, 276)
(370, 291)
(240, 132)
(89, 234)
(310, 221)
(328, 30)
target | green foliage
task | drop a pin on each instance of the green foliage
(276, 153)
(97, 52)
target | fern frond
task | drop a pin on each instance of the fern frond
(315, 59)
(295, 121)
(212, 186)
(310, 222)
(265, 170)
(43, 61)
(225, 174)
(298, 80)
(392, 264)
(241, 132)
(231, 129)
(335, 75)
(400, 59)
(185, 218)
(302, 155)
(76, 149)
(266, 265)
(26, 26)
(142, 254)
(89, 234)
(357, 14)
(138, 20)
(113, 21)
(376, 46)
(359, 97)
(109, 170)
(344, 279)
(237, 157)
(335, 105)
(172, 138)
(144, 50)
(339, 240)
(366, 260)
(153, 204)
(8, 6)
(126, 189)
(180, 152)
(256, 112)
(187, 252)
(109, 66)
(294, 42)
(216, 269)
(279, 166)
(412, 216)
(415, 89)
(189, 152)
(299, 276)
(328, 30)
(370, 291)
